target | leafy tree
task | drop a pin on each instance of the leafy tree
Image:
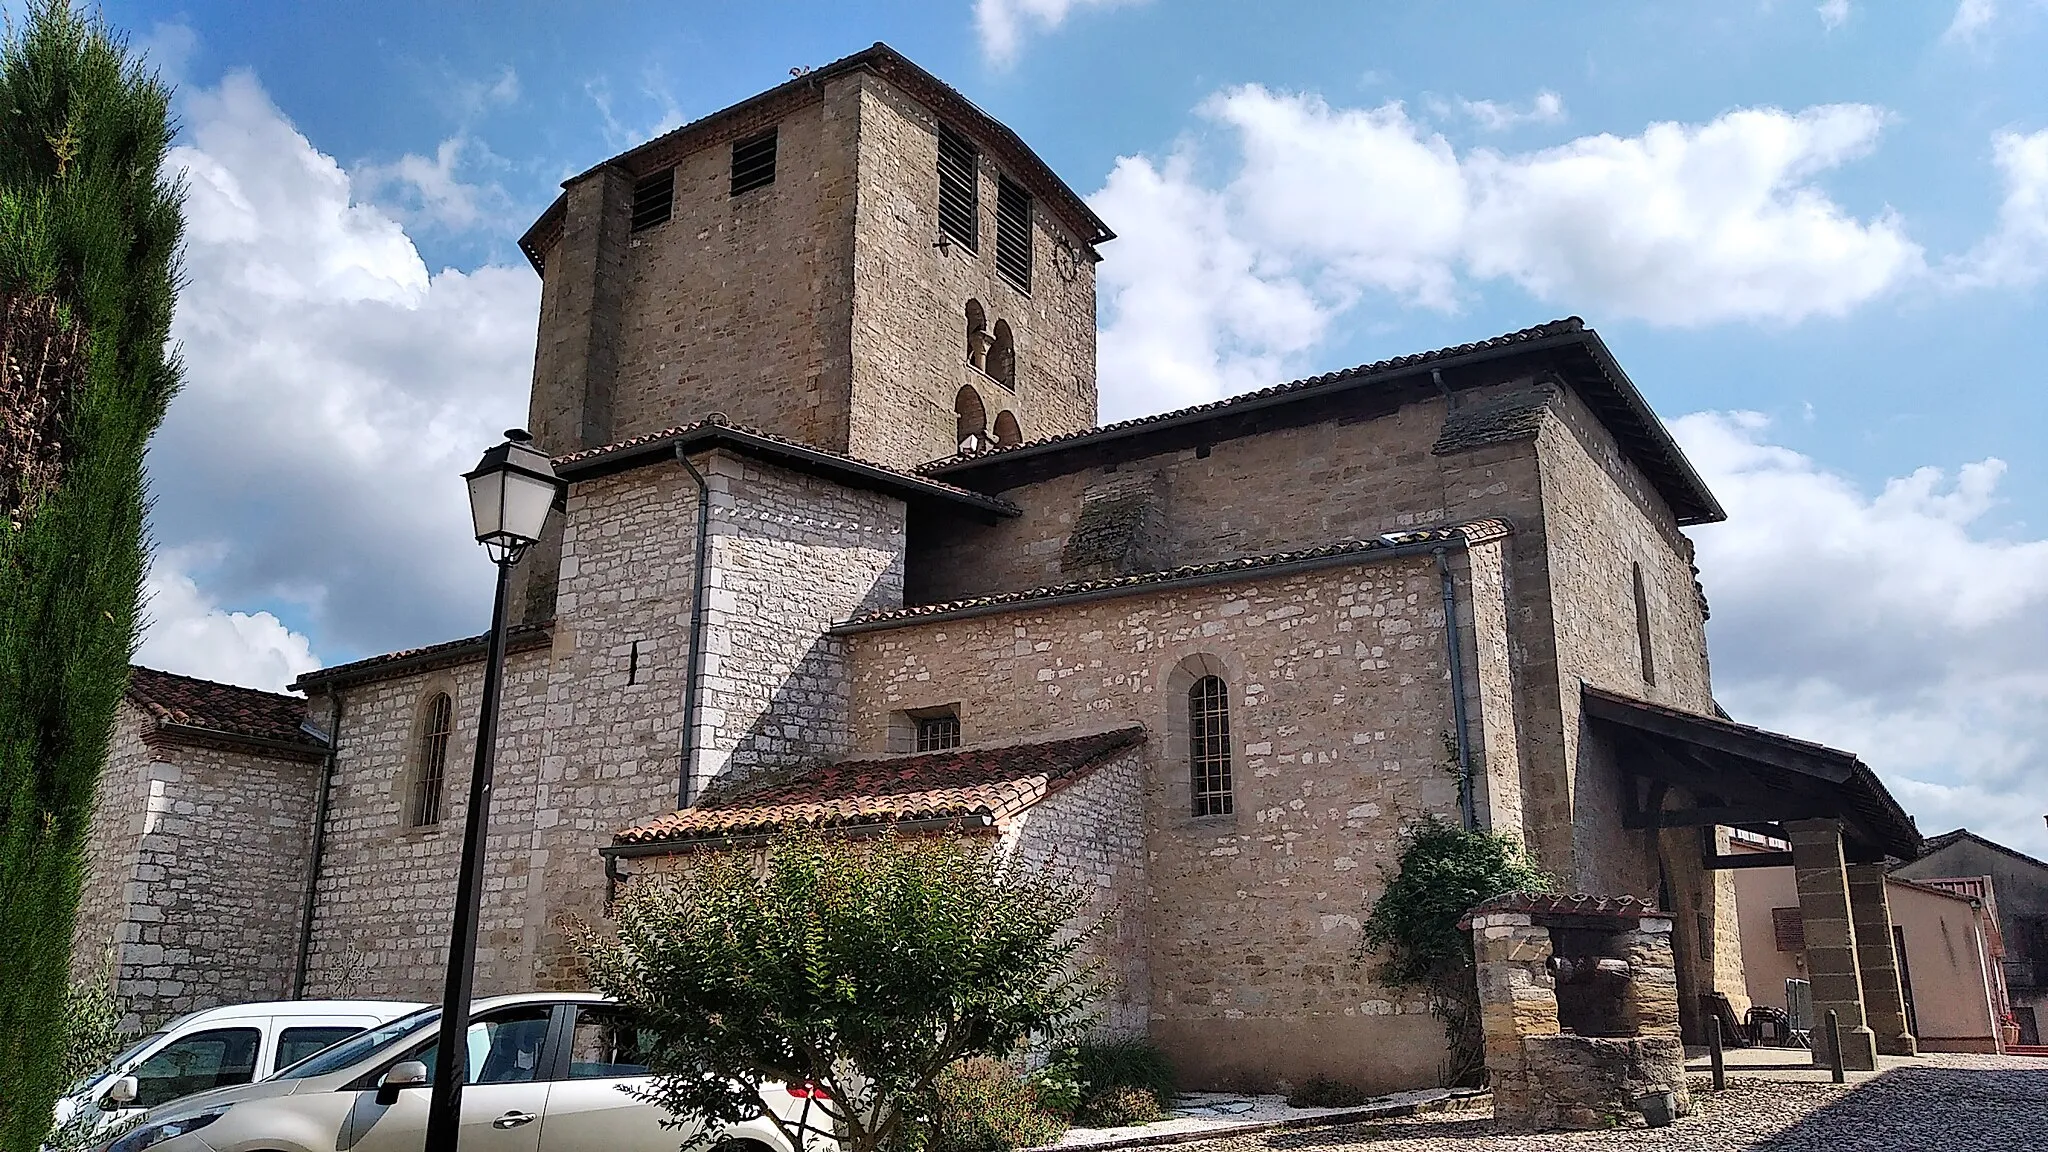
(866, 968)
(89, 231)
(1444, 871)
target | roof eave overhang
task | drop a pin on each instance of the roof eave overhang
(853, 473)
(449, 655)
(978, 821)
(198, 735)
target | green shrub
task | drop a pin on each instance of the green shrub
(1058, 1086)
(1323, 1092)
(1107, 1065)
(1118, 1106)
(983, 1105)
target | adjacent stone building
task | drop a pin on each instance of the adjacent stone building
(844, 547)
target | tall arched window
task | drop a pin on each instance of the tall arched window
(1209, 746)
(430, 770)
(1002, 356)
(1006, 431)
(977, 335)
(970, 420)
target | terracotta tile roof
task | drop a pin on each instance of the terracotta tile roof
(227, 709)
(519, 638)
(1544, 904)
(716, 428)
(997, 783)
(1456, 535)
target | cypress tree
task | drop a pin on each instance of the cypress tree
(89, 232)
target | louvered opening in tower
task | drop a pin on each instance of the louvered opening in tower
(753, 162)
(957, 207)
(654, 198)
(1013, 232)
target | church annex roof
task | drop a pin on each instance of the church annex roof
(1387, 546)
(759, 111)
(985, 785)
(1566, 348)
(715, 431)
(188, 708)
(447, 654)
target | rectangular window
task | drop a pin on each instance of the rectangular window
(295, 1044)
(1013, 232)
(959, 204)
(1209, 746)
(937, 733)
(608, 1044)
(753, 162)
(1649, 655)
(653, 199)
(1788, 929)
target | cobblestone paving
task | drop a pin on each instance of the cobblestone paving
(1951, 1104)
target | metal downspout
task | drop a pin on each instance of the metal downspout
(327, 771)
(687, 766)
(1467, 807)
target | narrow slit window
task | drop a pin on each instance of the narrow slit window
(633, 664)
(959, 205)
(654, 198)
(1209, 746)
(753, 162)
(938, 733)
(423, 806)
(1643, 628)
(1013, 233)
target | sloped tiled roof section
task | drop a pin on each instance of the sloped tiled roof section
(997, 783)
(447, 654)
(204, 707)
(1239, 568)
(1566, 349)
(1544, 906)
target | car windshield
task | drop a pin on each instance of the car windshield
(359, 1047)
(115, 1065)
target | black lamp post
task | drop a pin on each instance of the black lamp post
(511, 491)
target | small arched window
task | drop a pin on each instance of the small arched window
(1006, 430)
(1002, 356)
(1209, 746)
(430, 770)
(977, 335)
(970, 420)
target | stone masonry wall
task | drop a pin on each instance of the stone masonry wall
(1095, 830)
(910, 300)
(1339, 713)
(116, 837)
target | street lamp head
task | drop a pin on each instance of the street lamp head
(511, 491)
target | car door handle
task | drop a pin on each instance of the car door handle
(514, 1119)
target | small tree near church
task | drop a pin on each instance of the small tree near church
(864, 968)
(89, 230)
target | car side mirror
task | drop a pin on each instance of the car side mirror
(120, 1094)
(404, 1074)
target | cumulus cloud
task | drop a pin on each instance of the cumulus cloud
(1003, 24)
(335, 390)
(2015, 254)
(191, 634)
(1900, 624)
(1325, 206)
(434, 191)
(1494, 116)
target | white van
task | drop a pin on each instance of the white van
(217, 1048)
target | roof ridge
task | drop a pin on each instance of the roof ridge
(1936, 843)
(134, 668)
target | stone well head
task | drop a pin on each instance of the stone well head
(1578, 999)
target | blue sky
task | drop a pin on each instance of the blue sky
(1815, 233)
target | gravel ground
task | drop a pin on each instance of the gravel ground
(1946, 1104)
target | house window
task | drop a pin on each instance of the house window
(753, 162)
(938, 733)
(1643, 628)
(958, 196)
(423, 806)
(1209, 746)
(1013, 232)
(653, 199)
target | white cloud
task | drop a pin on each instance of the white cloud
(1971, 18)
(1324, 207)
(335, 390)
(190, 634)
(433, 190)
(2016, 251)
(1898, 625)
(1834, 13)
(1003, 24)
(1493, 116)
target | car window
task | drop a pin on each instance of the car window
(116, 1064)
(504, 1048)
(295, 1044)
(196, 1063)
(607, 1043)
(354, 1051)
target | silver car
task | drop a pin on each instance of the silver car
(549, 1072)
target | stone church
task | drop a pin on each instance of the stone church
(845, 547)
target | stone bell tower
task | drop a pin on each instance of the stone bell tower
(858, 259)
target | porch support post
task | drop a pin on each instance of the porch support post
(1884, 999)
(1823, 882)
